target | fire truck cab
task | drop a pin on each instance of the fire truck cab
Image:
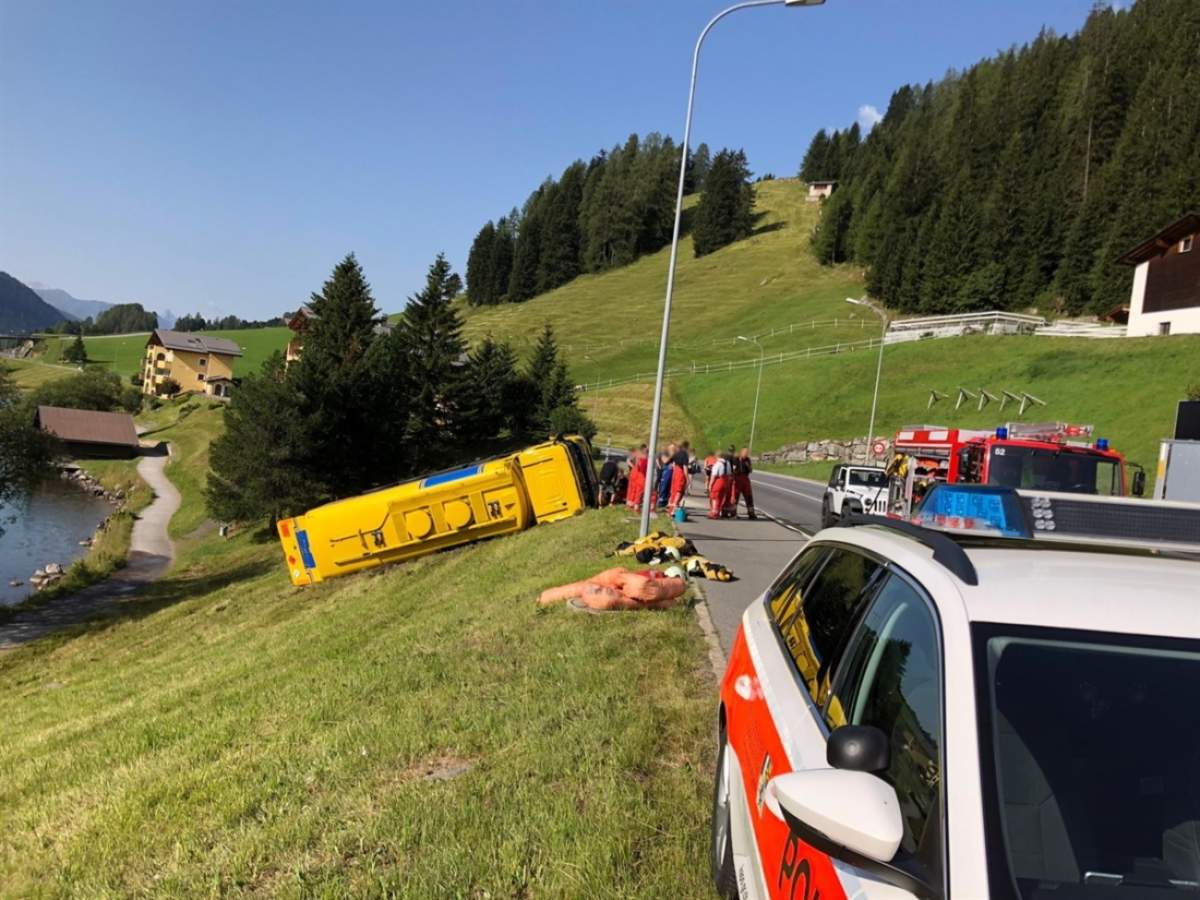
(1046, 456)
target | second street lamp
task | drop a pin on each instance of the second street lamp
(762, 353)
(652, 447)
(878, 371)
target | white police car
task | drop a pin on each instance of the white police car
(1010, 709)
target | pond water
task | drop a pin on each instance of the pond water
(45, 528)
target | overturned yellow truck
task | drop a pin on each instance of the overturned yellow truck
(504, 495)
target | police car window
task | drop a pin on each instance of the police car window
(822, 618)
(890, 678)
(784, 596)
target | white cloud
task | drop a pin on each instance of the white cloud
(868, 117)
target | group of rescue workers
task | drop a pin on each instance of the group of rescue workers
(726, 479)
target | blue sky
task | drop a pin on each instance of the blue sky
(223, 156)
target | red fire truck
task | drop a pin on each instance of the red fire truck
(1046, 456)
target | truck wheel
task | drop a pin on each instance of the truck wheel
(721, 845)
(828, 520)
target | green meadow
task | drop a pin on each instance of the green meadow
(419, 731)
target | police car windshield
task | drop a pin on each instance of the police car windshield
(1091, 763)
(868, 477)
(1062, 469)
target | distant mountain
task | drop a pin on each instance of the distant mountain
(72, 306)
(21, 309)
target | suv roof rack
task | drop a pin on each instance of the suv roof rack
(945, 549)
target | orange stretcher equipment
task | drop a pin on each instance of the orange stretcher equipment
(540, 484)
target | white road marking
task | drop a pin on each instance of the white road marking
(776, 487)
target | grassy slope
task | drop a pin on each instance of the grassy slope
(235, 735)
(1127, 388)
(123, 353)
(608, 324)
(230, 734)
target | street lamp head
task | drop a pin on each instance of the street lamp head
(855, 302)
(742, 337)
(803, 2)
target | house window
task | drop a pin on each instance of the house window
(1164, 327)
(200, 376)
(1185, 246)
(203, 361)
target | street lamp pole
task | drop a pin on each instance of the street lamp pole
(878, 368)
(652, 447)
(762, 355)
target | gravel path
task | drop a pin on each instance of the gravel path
(150, 555)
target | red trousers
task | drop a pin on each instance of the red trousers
(678, 486)
(742, 488)
(718, 496)
(633, 494)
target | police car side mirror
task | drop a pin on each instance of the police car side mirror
(849, 815)
(858, 748)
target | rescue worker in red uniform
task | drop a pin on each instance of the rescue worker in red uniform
(718, 487)
(637, 479)
(742, 489)
(679, 477)
(728, 504)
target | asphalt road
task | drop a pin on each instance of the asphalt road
(794, 501)
(755, 551)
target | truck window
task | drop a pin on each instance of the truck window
(1071, 471)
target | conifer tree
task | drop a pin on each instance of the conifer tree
(725, 212)
(76, 352)
(501, 260)
(430, 335)
(494, 401)
(480, 282)
(261, 464)
(547, 374)
(699, 164)
(334, 383)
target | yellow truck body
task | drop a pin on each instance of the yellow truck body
(540, 484)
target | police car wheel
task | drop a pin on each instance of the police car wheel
(721, 845)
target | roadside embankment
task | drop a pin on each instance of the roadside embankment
(420, 731)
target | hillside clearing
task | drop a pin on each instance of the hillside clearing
(608, 323)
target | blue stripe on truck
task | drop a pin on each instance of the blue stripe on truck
(453, 475)
(305, 550)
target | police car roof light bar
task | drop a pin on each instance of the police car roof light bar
(945, 550)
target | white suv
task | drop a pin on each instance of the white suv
(854, 489)
(1008, 711)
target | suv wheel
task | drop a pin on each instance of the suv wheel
(721, 844)
(828, 519)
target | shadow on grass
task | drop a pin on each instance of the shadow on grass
(111, 603)
(765, 229)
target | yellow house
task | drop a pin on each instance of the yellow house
(197, 363)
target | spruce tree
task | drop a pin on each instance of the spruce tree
(493, 402)
(501, 260)
(699, 165)
(559, 260)
(334, 383)
(430, 335)
(76, 352)
(480, 282)
(261, 466)
(725, 212)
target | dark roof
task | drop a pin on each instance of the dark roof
(1157, 245)
(195, 343)
(88, 426)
